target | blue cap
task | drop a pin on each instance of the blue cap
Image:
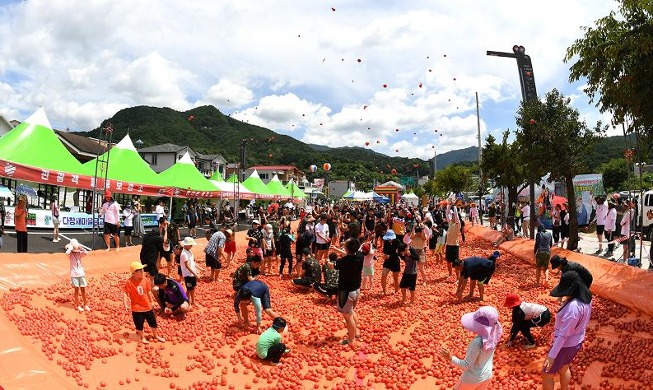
(389, 235)
(495, 255)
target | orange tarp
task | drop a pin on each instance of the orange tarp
(618, 282)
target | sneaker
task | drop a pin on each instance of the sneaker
(80, 309)
(160, 339)
(598, 251)
(530, 346)
(87, 308)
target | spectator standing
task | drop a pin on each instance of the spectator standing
(20, 223)
(54, 212)
(111, 213)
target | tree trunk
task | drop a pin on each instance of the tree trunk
(572, 244)
(512, 195)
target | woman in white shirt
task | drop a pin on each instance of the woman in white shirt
(526, 219)
(610, 227)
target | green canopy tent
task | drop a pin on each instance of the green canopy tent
(35, 147)
(125, 165)
(256, 185)
(348, 194)
(216, 176)
(231, 188)
(188, 181)
(295, 191)
(277, 188)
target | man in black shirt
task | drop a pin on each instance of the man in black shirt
(154, 244)
(350, 269)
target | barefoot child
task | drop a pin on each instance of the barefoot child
(368, 252)
(269, 345)
(188, 268)
(137, 298)
(409, 277)
(477, 364)
(77, 275)
(229, 247)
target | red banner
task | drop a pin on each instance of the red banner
(71, 180)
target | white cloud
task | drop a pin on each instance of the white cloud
(294, 67)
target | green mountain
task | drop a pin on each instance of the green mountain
(207, 130)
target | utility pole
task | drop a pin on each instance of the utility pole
(528, 92)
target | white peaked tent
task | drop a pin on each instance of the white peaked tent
(232, 189)
(411, 199)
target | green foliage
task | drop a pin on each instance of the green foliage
(454, 178)
(616, 58)
(615, 174)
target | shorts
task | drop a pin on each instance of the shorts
(78, 281)
(191, 282)
(306, 282)
(192, 225)
(421, 253)
(55, 221)
(140, 317)
(392, 265)
(438, 247)
(230, 247)
(322, 247)
(542, 259)
(472, 386)
(565, 356)
(347, 301)
(268, 253)
(212, 262)
(408, 281)
(368, 271)
(600, 229)
(110, 228)
(129, 230)
(452, 252)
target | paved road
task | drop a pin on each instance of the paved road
(40, 240)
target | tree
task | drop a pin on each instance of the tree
(501, 163)
(616, 58)
(454, 178)
(562, 144)
(615, 174)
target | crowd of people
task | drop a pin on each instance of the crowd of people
(333, 250)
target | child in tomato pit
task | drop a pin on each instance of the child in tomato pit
(137, 298)
(477, 364)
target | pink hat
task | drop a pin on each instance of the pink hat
(485, 323)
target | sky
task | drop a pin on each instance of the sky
(398, 77)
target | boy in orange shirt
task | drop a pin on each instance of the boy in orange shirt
(138, 292)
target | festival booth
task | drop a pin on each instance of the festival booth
(410, 199)
(295, 192)
(187, 181)
(276, 187)
(390, 189)
(256, 185)
(231, 188)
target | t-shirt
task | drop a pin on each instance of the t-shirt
(322, 233)
(111, 212)
(331, 276)
(399, 225)
(128, 220)
(411, 262)
(173, 293)
(368, 259)
(351, 269)
(267, 339)
(478, 268)
(543, 241)
(258, 235)
(76, 268)
(152, 246)
(312, 268)
(137, 291)
(242, 274)
(187, 262)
